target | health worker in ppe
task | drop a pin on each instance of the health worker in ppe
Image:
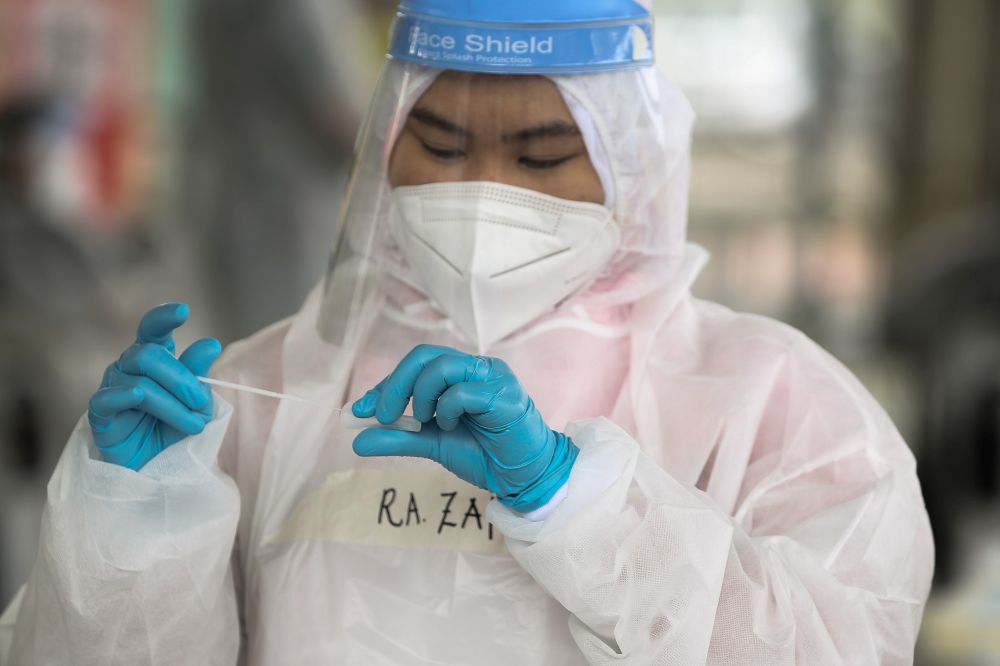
(608, 469)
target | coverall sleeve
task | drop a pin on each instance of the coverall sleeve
(826, 559)
(132, 567)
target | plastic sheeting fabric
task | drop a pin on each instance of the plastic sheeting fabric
(739, 497)
(746, 501)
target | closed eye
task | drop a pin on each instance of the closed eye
(443, 153)
(550, 163)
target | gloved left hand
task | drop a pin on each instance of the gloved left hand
(479, 423)
(148, 399)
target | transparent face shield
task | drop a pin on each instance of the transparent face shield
(483, 194)
(475, 208)
(516, 214)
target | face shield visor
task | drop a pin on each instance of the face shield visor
(486, 196)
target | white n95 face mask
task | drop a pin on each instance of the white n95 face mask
(495, 257)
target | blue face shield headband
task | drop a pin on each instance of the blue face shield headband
(523, 36)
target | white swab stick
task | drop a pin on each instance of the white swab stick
(251, 389)
(347, 419)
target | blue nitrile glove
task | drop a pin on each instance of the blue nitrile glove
(149, 399)
(479, 423)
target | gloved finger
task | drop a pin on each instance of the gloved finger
(107, 403)
(463, 398)
(456, 452)
(164, 406)
(159, 365)
(385, 442)
(157, 325)
(444, 371)
(364, 407)
(200, 356)
(398, 386)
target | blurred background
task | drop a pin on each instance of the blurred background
(846, 181)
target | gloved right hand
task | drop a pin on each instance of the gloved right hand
(149, 399)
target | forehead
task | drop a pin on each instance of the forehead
(485, 98)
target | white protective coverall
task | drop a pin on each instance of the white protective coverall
(739, 497)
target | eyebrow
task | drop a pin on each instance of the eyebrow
(424, 115)
(555, 128)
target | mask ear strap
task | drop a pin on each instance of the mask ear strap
(595, 147)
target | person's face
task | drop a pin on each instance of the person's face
(514, 130)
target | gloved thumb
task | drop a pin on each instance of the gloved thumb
(200, 356)
(385, 442)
